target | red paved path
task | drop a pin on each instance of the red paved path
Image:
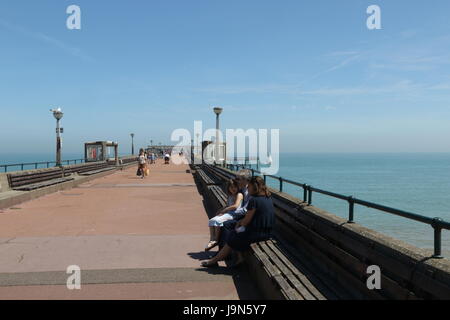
(132, 238)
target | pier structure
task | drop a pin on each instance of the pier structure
(138, 238)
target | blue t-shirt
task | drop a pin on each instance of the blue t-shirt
(264, 217)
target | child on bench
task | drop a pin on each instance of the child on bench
(234, 203)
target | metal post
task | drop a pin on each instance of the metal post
(281, 184)
(437, 239)
(58, 144)
(351, 207)
(305, 195)
(309, 195)
(265, 180)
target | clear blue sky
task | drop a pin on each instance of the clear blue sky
(310, 68)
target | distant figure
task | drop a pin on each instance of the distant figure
(142, 164)
(153, 158)
(166, 158)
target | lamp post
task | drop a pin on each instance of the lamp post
(58, 114)
(217, 111)
(198, 143)
(132, 143)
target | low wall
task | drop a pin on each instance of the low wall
(13, 198)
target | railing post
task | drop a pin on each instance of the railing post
(309, 195)
(305, 193)
(253, 172)
(351, 206)
(281, 184)
(437, 239)
(265, 180)
(22, 166)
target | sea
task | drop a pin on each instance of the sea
(414, 182)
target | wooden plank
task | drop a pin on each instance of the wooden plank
(287, 273)
(348, 261)
(43, 184)
(301, 276)
(276, 275)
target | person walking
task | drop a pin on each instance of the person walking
(142, 164)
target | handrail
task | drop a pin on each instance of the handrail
(4, 167)
(436, 223)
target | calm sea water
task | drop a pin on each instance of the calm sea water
(419, 183)
(416, 182)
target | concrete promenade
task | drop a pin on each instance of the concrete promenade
(132, 238)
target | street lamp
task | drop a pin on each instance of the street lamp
(58, 114)
(132, 143)
(217, 111)
(198, 143)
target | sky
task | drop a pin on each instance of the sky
(310, 68)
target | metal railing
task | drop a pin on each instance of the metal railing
(437, 224)
(37, 165)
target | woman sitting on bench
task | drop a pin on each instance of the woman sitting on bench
(254, 227)
(234, 203)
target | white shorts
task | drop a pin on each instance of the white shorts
(219, 220)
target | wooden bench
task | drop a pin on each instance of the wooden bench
(218, 172)
(278, 274)
(32, 180)
(218, 195)
(279, 277)
(90, 168)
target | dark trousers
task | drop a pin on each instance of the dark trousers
(228, 227)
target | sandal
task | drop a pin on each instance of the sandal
(208, 264)
(211, 245)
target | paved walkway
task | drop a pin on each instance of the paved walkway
(132, 238)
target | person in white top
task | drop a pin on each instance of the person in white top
(142, 163)
(234, 203)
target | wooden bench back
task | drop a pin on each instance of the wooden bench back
(29, 177)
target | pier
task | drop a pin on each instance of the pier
(136, 238)
(132, 239)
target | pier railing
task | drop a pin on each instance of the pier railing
(437, 224)
(37, 165)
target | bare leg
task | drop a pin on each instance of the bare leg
(221, 255)
(212, 233)
(218, 232)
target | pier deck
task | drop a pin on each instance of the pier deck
(132, 238)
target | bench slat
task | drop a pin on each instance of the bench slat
(275, 274)
(299, 273)
(287, 272)
(47, 183)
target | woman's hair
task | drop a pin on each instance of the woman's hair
(259, 186)
(232, 183)
(244, 174)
